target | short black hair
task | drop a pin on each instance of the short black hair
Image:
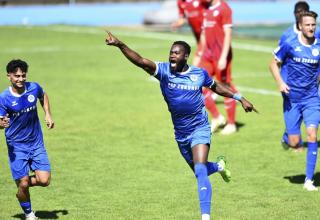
(184, 44)
(301, 6)
(307, 14)
(14, 65)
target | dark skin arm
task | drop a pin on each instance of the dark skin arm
(225, 91)
(134, 57)
(150, 67)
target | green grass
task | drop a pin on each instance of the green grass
(113, 151)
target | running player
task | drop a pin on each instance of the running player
(19, 117)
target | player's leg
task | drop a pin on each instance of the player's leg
(293, 121)
(217, 119)
(311, 117)
(200, 156)
(230, 104)
(20, 170)
(41, 165)
(186, 152)
(293, 118)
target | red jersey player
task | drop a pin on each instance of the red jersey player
(192, 11)
(216, 57)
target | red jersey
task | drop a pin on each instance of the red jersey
(216, 18)
(193, 11)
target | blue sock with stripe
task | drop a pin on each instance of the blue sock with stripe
(204, 188)
(311, 159)
(26, 207)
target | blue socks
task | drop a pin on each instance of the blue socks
(212, 168)
(311, 159)
(204, 188)
(26, 206)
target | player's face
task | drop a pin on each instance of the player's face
(307, 26)
(18, 78)
(177, 58)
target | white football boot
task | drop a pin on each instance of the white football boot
(229, 129)
(308, 185)
(217, 123)
(31, 216)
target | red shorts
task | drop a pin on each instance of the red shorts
(220, 75)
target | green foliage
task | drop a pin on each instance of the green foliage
(113, 151)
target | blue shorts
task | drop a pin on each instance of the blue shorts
(22, 161)
(295, 113)
(201, 135)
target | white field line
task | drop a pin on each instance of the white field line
(159, 36)
(156, 36)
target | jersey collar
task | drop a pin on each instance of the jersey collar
(306, 45)
(16, 94)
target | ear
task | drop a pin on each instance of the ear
(186, 56)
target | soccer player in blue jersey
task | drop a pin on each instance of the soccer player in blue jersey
(181, 87)
(302, 55)
(295, 142)
(19, 117)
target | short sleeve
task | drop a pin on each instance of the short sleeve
(3, 109)
(280, 52)
(208, 81)
(227, 17)
(40, 91)
(180, 8)
(160, 70)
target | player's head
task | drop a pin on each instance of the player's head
(307, 23)
(17, 72)
(179, 54)
(299, 7)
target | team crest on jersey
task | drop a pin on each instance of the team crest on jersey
(215, 13)
(31, 98)
(193, 78)
(315, 52)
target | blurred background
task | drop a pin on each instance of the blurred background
(264, 18)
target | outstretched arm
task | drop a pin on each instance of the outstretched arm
(134, 57)
(46, 107)
(225, 91)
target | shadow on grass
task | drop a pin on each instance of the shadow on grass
(299, 179)
(45, 214)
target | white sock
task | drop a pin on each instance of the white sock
(205, 217)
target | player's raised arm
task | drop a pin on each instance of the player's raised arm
(225, 91)
(134, 57)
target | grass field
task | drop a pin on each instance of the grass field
(113, 152)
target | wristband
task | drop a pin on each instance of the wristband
(237, 96)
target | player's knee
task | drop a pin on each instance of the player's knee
(200, 170)
(44, 182)
(23, 184)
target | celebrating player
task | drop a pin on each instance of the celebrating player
(181, 87)
(216, 57)
(19, 117)
(301, 55)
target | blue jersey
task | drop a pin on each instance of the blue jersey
(183, 94)
(288, 35)
(302, 67)
(24, 129)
